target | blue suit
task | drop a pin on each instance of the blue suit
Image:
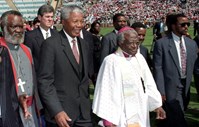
(168, 78)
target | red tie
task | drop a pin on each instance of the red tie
(183, 57)
(74, 49)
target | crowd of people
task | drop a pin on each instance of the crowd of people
(145, 11)
(45, 73)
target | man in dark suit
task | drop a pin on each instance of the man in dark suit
(34, 38)
(196, 26)
(63, 73)
(196, 70)
(174, 57)
(159, 28)
(141, 30)
(87, 36)
(109, 41)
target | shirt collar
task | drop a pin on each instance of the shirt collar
(69, 37)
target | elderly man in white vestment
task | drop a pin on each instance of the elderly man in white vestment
(125, 90)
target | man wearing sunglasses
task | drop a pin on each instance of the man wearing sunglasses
(174, 57)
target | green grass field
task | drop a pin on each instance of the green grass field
(192, 114)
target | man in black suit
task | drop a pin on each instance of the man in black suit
(196, 26)
(159, 29)
(34, 38)
(141, 30)
(63, 73)
(196, 70)
(109, 41)
(174, 57)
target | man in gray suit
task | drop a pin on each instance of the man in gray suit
(174, 57)
(109, 41)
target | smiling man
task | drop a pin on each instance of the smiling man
(125, 91)
(63, 73)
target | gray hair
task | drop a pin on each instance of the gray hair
(120, 36)
(45, 9)
(66, 10)
(4, 17)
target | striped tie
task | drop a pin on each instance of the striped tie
(183, 58)
(47, 35)
(74, 49)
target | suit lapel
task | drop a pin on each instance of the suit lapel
(39, 38)
(83, 55)
(68, 51)
(173, 53)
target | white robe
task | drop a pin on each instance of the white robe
(119, 96)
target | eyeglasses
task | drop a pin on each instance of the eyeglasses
(184, 24)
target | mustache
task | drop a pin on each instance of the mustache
(16, 38)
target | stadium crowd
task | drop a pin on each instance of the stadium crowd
(147, 11)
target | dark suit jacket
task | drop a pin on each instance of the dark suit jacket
(63, 84)
(196, 70)
(109, 45)
(144, 51)
(156, 30)
(34, 39)
(88, 37)
(167, 68)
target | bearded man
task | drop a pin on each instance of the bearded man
(22, 74)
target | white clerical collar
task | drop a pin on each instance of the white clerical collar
(126, 55)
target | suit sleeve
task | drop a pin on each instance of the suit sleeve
(105, 49)
(46, 86)
(158, 67)
(28, 41)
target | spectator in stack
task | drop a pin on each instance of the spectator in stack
(173, 59)
(159, 29)
(35, 38)
(63, 73)
(20, 79)
(36, 23)
(196, 70)
(196, 26)
(95, 30)
(140, 28)
(109, 41)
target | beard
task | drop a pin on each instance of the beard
(13, 39)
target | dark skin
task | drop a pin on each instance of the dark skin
(15, 29)
(73, 25)
(120, 22)
(179, 31)
(130, 45)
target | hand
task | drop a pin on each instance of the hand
(160, 113)
(163, 98)
(23, 102)
(62, 118)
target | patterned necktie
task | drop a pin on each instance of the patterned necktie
(47, 35)
(183, 57)
(74, 49)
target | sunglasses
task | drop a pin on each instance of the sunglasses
(184, 24)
